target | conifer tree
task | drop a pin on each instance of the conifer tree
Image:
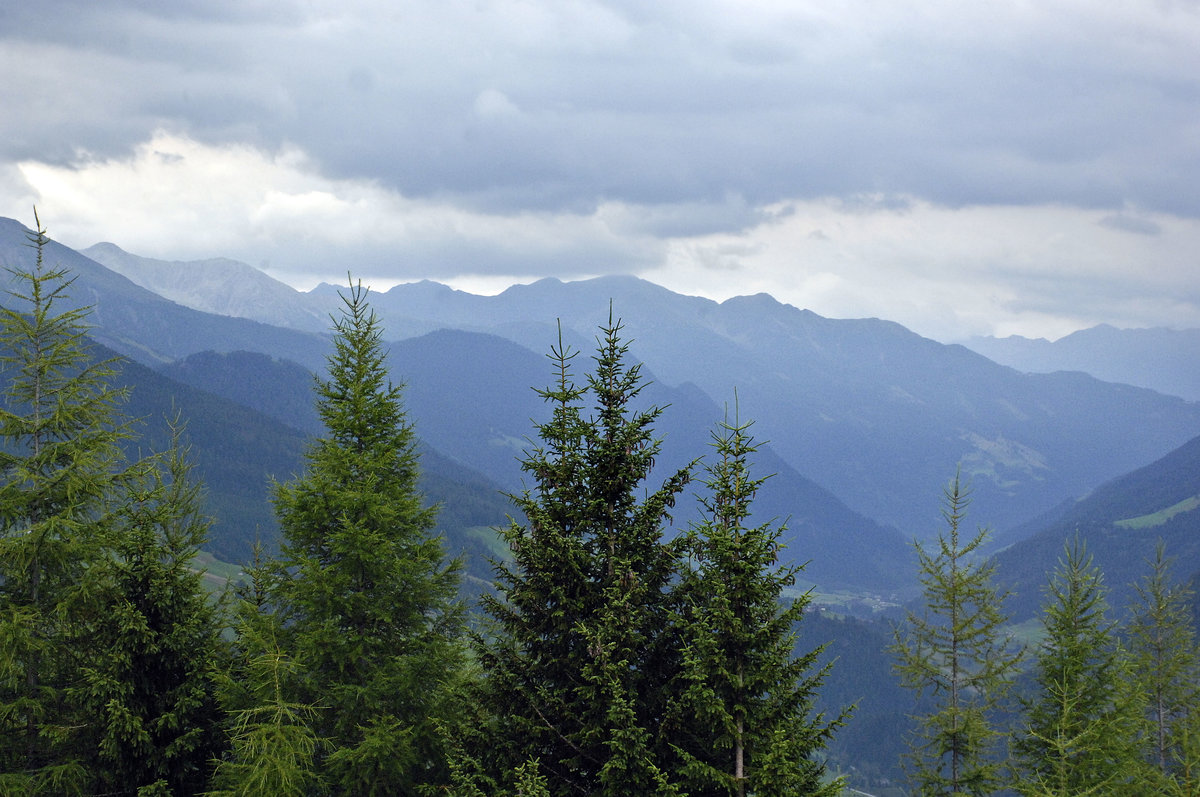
(1166, 667)
(272, 744)
(955, 653)
(578, 661)
(1081, 733)
(150, 686)
(742, 719)
(60, 467)
(366, 599)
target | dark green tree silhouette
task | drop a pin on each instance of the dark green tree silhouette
(61, 471)
(150, 685)
(580, 652)
(742, 720)
(365, 597)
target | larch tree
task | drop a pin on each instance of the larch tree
(1165, 663)
(742, 719)
(1082, 729)
(273, 747)
(579, 655)
(955, 654)
(60, 470)
(365, 597)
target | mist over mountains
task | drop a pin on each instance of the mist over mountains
(1162, 359)
(865, 420)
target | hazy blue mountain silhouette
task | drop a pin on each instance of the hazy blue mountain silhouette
(875, 414)
(472, 401)
(1165, 360)
(144, 326)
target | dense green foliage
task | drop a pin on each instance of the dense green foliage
(1165, 661)
(61, 469)
(580, 648)
(740, 717)
(110, 646)
(150, 687)
(364, 598)
(621, 662)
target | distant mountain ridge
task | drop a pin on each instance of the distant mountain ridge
(1161, 359)
(219, 285)
(867, 410)
(839, 397)
(142, 325)
(479, 419)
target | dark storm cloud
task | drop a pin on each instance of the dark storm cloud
(507, 107)
(953, 166)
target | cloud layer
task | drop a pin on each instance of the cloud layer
(960, 168)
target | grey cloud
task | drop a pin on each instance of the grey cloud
(650, 105)
(1121, 221)
(455, 256)
(685, 220)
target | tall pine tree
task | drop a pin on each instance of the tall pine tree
(365, 597)
(955, 654)
(60, 471)
(578, 661)
(741, 721)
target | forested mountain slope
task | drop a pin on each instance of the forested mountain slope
(867, 409)
(239, 451)
(1120, 522)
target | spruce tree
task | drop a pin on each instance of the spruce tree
(955, 653)
(578, 659)
(1082, 728)
(1165, 665)
(742, 719)
(150, 686)
(60, 468)
(365, 597)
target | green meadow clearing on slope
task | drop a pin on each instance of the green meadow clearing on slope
(1160, 517)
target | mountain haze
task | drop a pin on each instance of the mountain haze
(219, 285)
(1165, 360)
(477, 418)
(865, 420)
(142, 325)
(872, 412)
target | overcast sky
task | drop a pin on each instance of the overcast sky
(962, 168)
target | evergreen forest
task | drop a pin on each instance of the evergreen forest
(610, 653)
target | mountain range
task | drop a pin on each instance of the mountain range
(865, 419)
(872, 412)
(1162, 359)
